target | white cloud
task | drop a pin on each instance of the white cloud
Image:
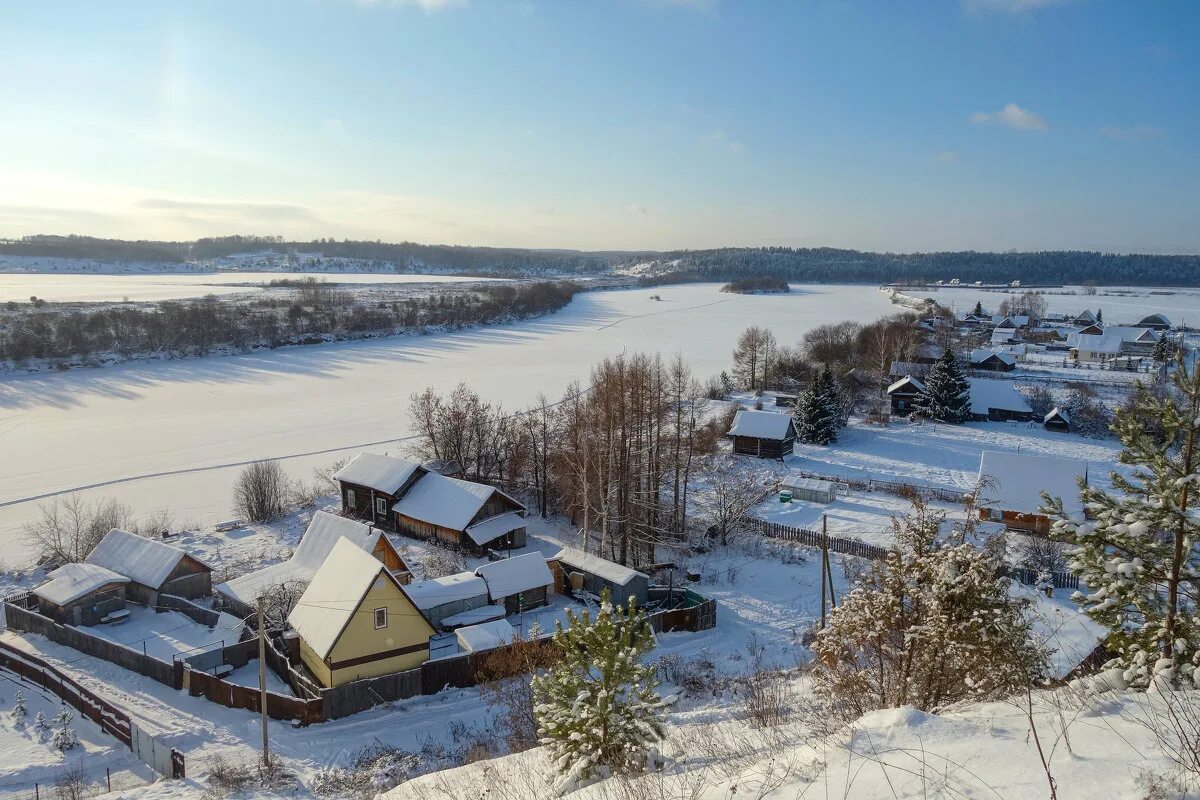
(1010, 6)
(1130, 133)
(1012, 116)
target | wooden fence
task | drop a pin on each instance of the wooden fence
(854, 547)
(108, 717)
(198, 614)
(233, 695)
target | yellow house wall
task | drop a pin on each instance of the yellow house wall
(316, 666)
(406, 627)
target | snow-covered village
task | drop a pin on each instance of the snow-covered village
(630, 400)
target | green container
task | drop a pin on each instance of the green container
(785, 496)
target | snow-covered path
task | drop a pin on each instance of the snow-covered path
(87, 427)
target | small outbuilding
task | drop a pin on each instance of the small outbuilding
(998, 401)
(82, 594)
(519, 583)
(153, 567)
(764, 434)
(1057, 420)
(904, 395)
(574, 570)
(485, 636)
(1157, 322)
(448, 596)
(810, 490)
(1011, 486)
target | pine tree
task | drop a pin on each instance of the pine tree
(597, 710)
(1161, 353)
(64, 738)
(978, 310)
(1099, 317)
(947, 396)
(817, 414)
(19, 710)
(1136, 551)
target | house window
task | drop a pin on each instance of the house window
(380, 618)
(350, 498)
(380, 505)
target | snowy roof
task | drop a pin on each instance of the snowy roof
(473, 616)
(610, 571)
(384, 473)
(899, 369)
(449, 589)
(446, 502)
(319, 538)
(333, 596)
(143, 560)
(907, 379)
(1015, 481)
(511, 576)
(485, 636)
(761, 424)
(1155, 319)
(1004, 335)
(1085, 316)
(1103, 343)
(70, 582)
(1010, 320)
(810, 484)
(483, 532)
(1003, 395)
(1061, 413)
(983, 354)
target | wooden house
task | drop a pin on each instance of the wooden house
(992, 361)
(904, 395)
(518, 583)
(1011, 486)
(1057, 420)
(371, 484)
(765, 434)
(355, 621)
(82, 594)
(153, 567)
(998, 401)
(1084, 318)
(577, 571)
(240, 595)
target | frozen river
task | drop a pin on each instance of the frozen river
(81, 428)
(90, 288)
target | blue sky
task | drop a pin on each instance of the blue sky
(623, 124)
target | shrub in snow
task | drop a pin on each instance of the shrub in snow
(64, 717)
(1136, 552)
(947, 396)
(929, 626)
(39, 721)
(19, 710)
(64, 739)
(597, 709)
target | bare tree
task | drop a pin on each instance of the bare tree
(68, 529)
(753, 356)
(261, 491)
(731, 492)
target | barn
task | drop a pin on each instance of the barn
(82, 594)
(1011, 486)
(998, 401)
(764, 434)
(153, 567)
(472, 516)
(1157, 322)
(992, 361)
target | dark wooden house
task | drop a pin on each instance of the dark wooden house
(765, 434)
(1057, 420)
(153, 567)
(903, 395)
(371, 484)
(82, 594)
(992, 361)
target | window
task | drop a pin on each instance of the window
(380, 618)
(350, 498)
(380, 505)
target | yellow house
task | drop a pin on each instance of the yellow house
(356, 621)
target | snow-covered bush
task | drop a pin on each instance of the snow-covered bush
(440, 562)
(19, 709)
(373, 769)
(597, 709)
(64, 738)
(39, 721)
(64, 717)
(929, 626)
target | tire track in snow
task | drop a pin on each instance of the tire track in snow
(329, 450)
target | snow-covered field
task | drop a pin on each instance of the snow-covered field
(86, 427)
(1122, 305)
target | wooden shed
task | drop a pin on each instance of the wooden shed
(1011, 486)
(576, 570)
(519, 583)
(764, 434)
(810, 490)
(904, 394)
(82, 594)
(153, 568)
(1057, 420)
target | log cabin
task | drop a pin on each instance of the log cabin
(904, 395)
(81, 594)
(153, 568)
(764, 434)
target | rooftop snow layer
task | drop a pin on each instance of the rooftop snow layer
(983, 353)
(485, 636)
(143, 560)
(1003, 395)
(70, 582)
(319, 538)
(483, 532)
(909, 379)
(1015, 481)
(511, 576)
(473, 616)
(449, 589)
(760, 424)
(610, 571)
(384, 473)
(446, 502)
(333, 596)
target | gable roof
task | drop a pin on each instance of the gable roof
(987, 393)
(447, 502)
(907, 379)
(494, 527)
(335, 594)
(983, 354)
(322, 534)
(434, 592)
(382, 473)
(762, 424)
(143, 560)
(610, 571)
(1015, 481)
(1061, 413)
(1085, 316)
(510, 576)
(70, 582)
(1010, 320)
(1104, 343)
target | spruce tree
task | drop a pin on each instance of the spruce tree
(817, 414)
(947, 395)
(1136, 550)
(1161, 353)
(597, 709)
(1099, 317)
(978, 311)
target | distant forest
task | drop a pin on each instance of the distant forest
(822, 264)
(825, 264)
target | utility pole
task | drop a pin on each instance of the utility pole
(262, 677)
(824, 561)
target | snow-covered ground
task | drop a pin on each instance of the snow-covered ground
(1122, 305)
(88, 428)
(164, 635)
